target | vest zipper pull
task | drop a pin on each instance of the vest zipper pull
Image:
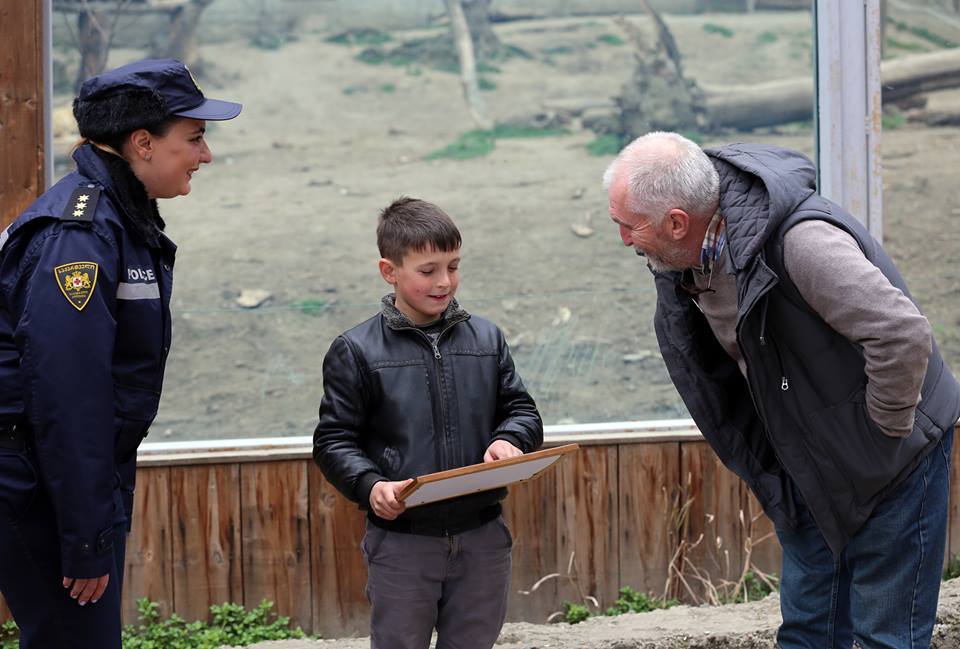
(784, 384)
(436, 351)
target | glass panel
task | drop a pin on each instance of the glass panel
(351, 104)
(921, 140)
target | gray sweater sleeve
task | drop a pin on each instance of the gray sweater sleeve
(856, 299)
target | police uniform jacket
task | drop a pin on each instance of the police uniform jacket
(85, 280)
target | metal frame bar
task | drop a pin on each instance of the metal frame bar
(849, 107)
(47, 94)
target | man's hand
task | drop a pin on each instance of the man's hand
(383, 499)
(501, 449)
(86, 590)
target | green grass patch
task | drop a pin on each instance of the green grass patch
(922, 32)
(486, 68)
(9, 635)
(388, 88)
(472, 144)
(891, 122)
(559, 49)
(373, 56)
(311, 306)
(766, 38)
(607, 144)
(720, 30)
(610, 39)
(352, 90)
(361, 36)
(477, 143)
(902, 45)
(486, 84)
(753, 588)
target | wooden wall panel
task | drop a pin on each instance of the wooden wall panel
(21, 106)
(276, 537)
(588, 529)
(149, 570)
(207, 569)
(714, 531)
(339, 576)
(765, 550)
(953, 524)
(649, 479)
(531, 513)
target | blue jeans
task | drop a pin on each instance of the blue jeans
(881, 592)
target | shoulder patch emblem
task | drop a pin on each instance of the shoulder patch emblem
(82, 204)
(77, 281)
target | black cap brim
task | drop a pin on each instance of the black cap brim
(214, 110)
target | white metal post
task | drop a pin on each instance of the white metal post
(849, 107)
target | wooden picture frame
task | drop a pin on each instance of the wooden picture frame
(444, 485)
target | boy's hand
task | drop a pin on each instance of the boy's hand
(501, 449)
(383, 499)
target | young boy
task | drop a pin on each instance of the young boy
(423, 386)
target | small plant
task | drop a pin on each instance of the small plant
(486, 84)
(605, 145)
(720, 30)
(230, 625)
(631, 601)
(610, 39)
(575, 613)
(9, 635)
(388, 88)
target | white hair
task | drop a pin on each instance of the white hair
(666, 171)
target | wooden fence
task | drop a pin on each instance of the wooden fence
(257, 521)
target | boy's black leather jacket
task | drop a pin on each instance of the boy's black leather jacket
(396, 405)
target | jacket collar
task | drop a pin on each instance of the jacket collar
(397, 320)
(113, 173)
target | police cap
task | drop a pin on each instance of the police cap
(167, 77)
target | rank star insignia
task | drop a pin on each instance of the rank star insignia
(82, 204)
(76, 281)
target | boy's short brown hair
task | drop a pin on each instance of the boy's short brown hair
(410, 224)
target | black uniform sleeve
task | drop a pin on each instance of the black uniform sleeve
(63, 304)
(517, 414)
(337, 448)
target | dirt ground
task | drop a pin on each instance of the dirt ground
(290, 203)
(740, 626)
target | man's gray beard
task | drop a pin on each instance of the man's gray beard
(662, 265)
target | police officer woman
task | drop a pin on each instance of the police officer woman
(85, 279)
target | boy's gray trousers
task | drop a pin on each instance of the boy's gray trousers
(456, 584)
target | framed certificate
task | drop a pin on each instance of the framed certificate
(480, 477)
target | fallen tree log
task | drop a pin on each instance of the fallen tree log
(791, 100)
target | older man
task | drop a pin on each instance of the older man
(798, 350)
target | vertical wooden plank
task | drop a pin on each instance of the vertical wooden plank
(205, 508)
(588, 525)
(531, 513)
(149, 563)
(714, 531)
(649, 479)
(953, 522)
(339, 576)
(21, 106)
(276, 537)
(764, 547)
